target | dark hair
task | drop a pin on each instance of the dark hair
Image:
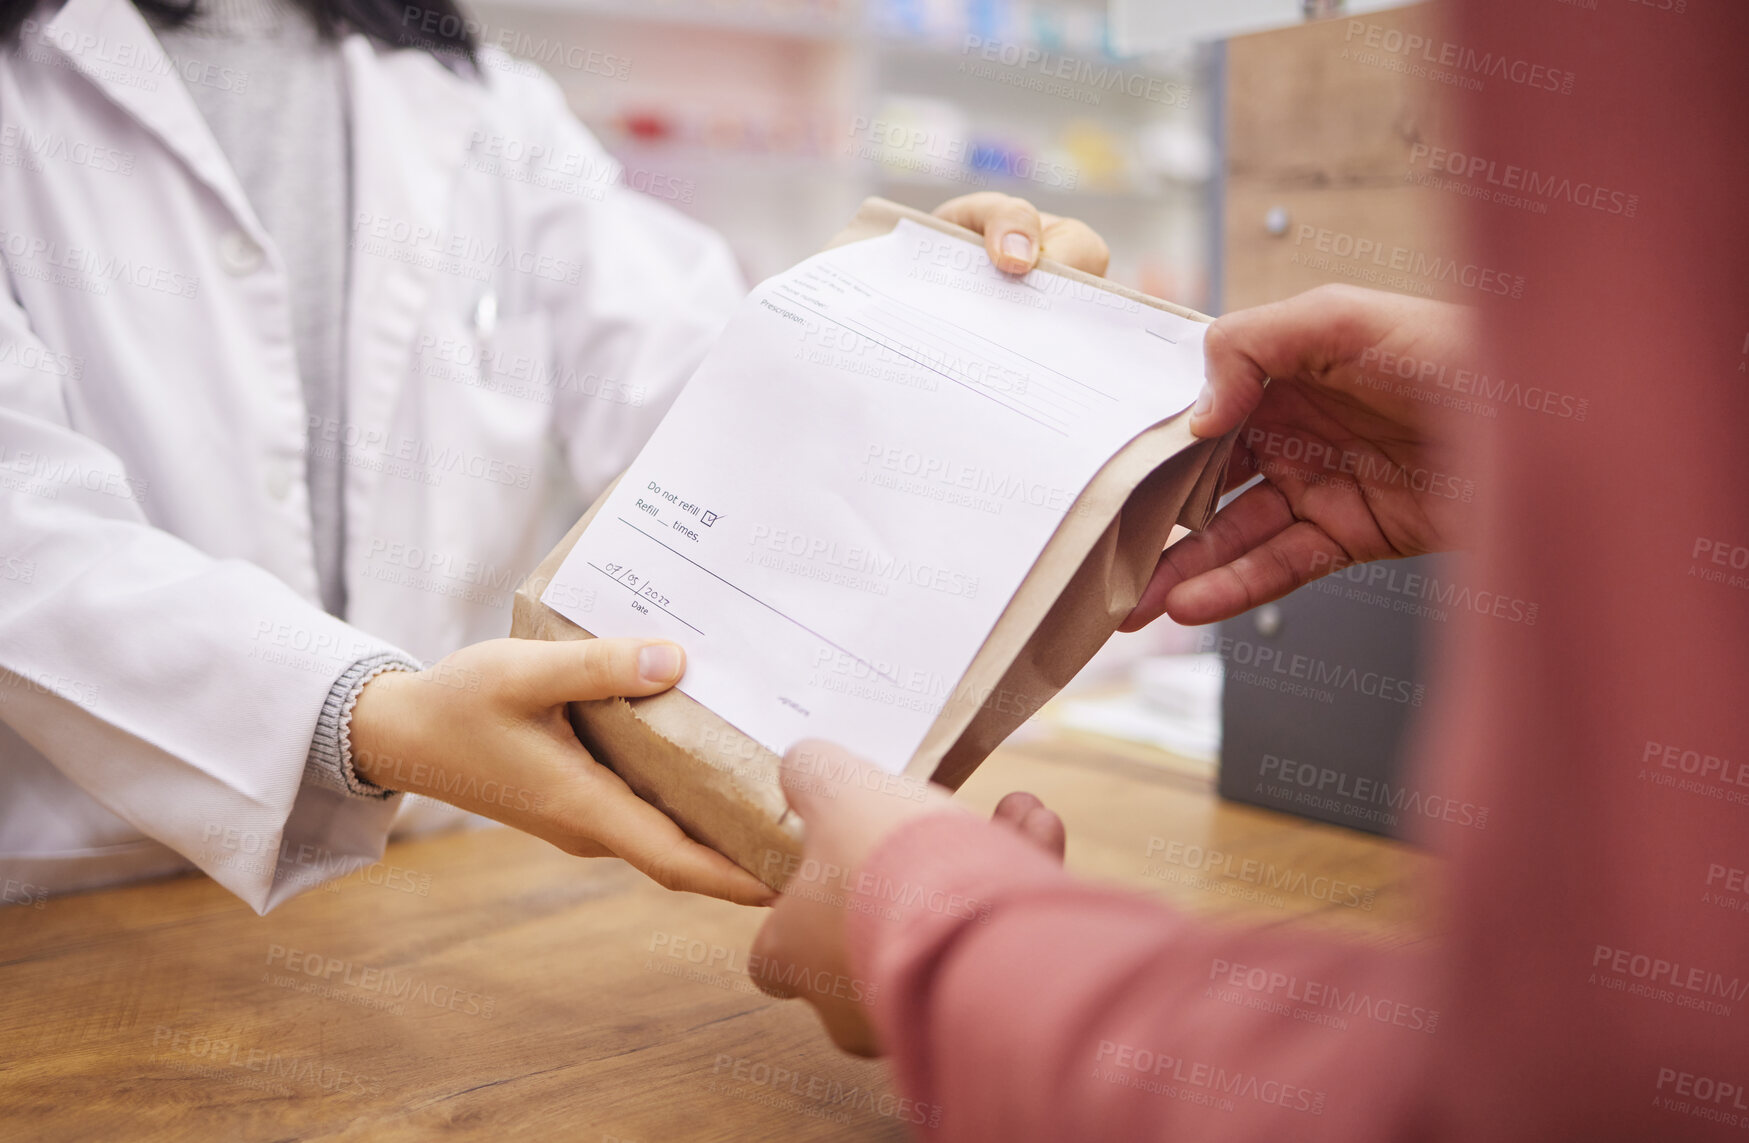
(435, 26)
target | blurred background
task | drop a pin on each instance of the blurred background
(772, 119)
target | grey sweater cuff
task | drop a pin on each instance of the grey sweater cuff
(330, 762)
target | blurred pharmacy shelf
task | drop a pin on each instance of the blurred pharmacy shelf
(772, 119)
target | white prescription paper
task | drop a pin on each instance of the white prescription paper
(856, 480)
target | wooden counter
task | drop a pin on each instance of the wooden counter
(482, 984)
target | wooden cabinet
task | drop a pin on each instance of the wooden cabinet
(1321, 120)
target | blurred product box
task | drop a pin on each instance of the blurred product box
(1321, 692)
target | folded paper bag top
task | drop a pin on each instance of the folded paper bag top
(722, 787)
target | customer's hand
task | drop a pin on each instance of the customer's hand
(485, 729)
(1017, 234)
(1354, 466)
(849, 807)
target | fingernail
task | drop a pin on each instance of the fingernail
(659, 663)
(1018, 247)
(1205, 401)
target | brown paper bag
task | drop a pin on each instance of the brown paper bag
(722, 787)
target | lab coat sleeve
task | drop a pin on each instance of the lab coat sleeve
(656, 289)
(179, 691)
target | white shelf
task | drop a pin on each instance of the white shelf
(1025, 188)
(849, 28)
(696, 14)
(682, 159)
(728, 71)
(930, 51)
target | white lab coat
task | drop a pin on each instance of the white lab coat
(163, 658)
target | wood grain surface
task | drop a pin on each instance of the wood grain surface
(1323, 123)
(484, 985)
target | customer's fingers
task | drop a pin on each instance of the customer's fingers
(1252, 553)
(801, 945)
(1033, 820)
(1241, 526)
(1233, 379)
(849, 805)
(1012, 229)
(1285, 562)
(773, 946)
(1317, 334)
(814, 773)
(550, 673)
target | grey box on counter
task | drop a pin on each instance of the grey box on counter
(1322, 689)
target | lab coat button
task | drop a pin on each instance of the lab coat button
(239, 253)
(278, 481)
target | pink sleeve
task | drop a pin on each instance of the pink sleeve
(1593, 973)
(1018, 1003)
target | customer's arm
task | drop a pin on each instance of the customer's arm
(998, 978)
(1019, 1003)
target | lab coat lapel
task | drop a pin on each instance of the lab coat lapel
(411, 120)
(109, 43)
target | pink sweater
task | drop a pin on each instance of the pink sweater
(1593, 979)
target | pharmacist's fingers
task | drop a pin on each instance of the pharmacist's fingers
(633, 829)
(1012, 229)
(1074, 243)
(549, 673)
(1034, 821)
(685, 866)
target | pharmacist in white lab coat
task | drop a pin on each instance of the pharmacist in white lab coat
(301, 332)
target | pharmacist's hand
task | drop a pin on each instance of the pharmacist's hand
(1354, 466)
(848, 808)
(485, 729)
(1017, 234)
